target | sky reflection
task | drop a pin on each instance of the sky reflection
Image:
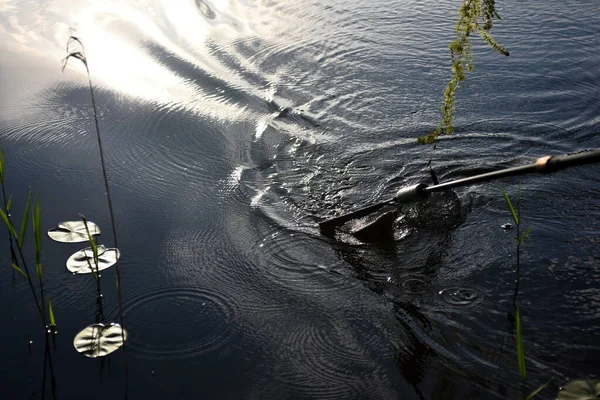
(121, 40)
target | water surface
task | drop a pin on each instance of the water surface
(232, 127)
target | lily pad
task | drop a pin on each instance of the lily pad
(580, 390)
(98, 340)
(73, 231)
(79, 262)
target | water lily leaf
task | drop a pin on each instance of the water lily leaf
(73, 231)
(580, 390)
(98, 340)
(80, 262)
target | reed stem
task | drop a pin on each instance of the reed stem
(82, 57)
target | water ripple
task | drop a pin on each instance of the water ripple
(180, 322)
(460, 296)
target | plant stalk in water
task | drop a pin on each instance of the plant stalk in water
(516, 215)
(48, 322)
(95, 271)
(7, 203)
(19, 239)
(80, 55)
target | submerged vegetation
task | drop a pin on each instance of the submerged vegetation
(475, 17)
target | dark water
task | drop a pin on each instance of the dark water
(231, 127)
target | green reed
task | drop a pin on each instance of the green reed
(519, 239)
(49, 320)
(579, 389)
(19, 264)
(81, 56)
(516, 215)
(7, 205)
(95, 270)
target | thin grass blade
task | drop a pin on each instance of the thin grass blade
(37, 230)
(24, 222)
(8, 224)
(9, 203)
(20, 271)
(536, 391)
(520, 347)
(519, 201)
(40, 274)
(510, 207)
(90, 239)
(524, 236)
(51, 314)
(91, 267)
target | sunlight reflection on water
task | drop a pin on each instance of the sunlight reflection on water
(232, 127)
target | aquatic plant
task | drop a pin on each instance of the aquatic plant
(7, 204)
(516, 215)
(520, 348)
(19, 264)
(583, 389)
(475, 16)
(99, 339)
(96, 340)
(73, 231)
(80, 262)
(79, 54)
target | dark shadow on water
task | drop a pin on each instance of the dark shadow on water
(404, 272)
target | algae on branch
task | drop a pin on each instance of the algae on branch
(475, 16)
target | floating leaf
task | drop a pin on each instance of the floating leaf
(80, 262)
(98, 340)
(580, 390)
(73, 232)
